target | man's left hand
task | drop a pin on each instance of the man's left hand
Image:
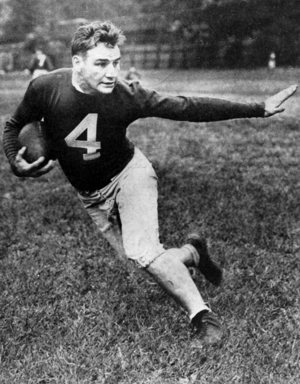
(273, 103)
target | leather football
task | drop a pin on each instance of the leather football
(33, 138)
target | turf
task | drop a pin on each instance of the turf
(70, 312)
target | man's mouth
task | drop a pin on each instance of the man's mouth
(111, 84)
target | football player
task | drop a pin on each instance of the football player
(86, 110)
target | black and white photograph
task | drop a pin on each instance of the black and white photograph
(149, 192)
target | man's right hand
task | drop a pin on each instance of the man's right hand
(273, 103)
(22, 168)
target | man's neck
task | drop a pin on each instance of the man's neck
(80, 85)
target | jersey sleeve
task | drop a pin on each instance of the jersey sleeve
(28, 110)
(193, 109)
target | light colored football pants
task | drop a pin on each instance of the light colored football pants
(125, 211)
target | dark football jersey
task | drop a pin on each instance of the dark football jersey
(88, 132)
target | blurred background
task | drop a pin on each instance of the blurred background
(160, 34)
(69, 311)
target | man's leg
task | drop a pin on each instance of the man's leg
(172, 274)
(136, 198)
(137, 203)
(171, 262)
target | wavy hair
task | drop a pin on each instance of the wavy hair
(89, 35)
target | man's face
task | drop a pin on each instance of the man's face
(99, 69)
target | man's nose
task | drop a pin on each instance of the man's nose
(111, 71)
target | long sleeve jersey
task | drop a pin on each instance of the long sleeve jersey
(87, 133)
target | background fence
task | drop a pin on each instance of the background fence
(147, 56)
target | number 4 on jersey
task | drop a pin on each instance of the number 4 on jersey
(88, 124)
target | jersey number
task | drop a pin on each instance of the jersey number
(88, 124)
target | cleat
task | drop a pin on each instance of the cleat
(208, 327)
(206, 266)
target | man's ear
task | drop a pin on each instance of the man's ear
(77, 62)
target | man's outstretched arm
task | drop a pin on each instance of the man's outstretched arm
(206, 109)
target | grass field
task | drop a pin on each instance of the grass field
(71, 313)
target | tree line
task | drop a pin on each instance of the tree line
(228, 33)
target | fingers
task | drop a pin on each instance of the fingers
(35, 169)
(273, 103)
(278, 110)
(41, 171)
(46, 168)
(286, 94)
(37, 163)
(20, 154)
(21, 160)
(293, 88)
(22, 151)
